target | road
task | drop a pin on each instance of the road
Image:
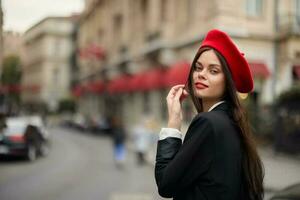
(79, 166)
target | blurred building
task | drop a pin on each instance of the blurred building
(47, 66)
(13, 44)
(1, 39)
(1, 55)
(287, 44)
(132, 51)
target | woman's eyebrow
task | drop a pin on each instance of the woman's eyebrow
(198, 62)
(210, 65)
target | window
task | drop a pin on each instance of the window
(144, 16)
(144, 8)
(254, 8)
(118, 28)
(146, 102)
(55, 76)
(190, 11)
(298, 11)
(100, 34)
(118, 23)
(163, 11)
(56, 48)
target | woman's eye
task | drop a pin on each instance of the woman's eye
(198, 67)
(213, 71)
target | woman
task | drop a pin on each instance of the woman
(218, 157)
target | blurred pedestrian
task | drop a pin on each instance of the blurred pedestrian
(218, 157)
(2, 121)
(119, 136)
(143, 138)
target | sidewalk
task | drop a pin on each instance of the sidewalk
(281, 170)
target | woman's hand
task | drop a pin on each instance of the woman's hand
(176, 95)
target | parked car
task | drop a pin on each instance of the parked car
(99, 125)
(24, 136)
(290, 193)
(80, 122)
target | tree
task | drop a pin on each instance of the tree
(11, 78)
(11, 73)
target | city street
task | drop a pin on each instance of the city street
(72, 68)
(80, 166)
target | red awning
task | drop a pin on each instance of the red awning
(296, 71)
(177, 74)
(96, 87)
(154, 79)
(32, 88)
(17, 88)
(92, 51)
(3, 89)
(119, 85)
(136, 82)
(77, 91)
(259, 69)
(147, 80)
(97, 51)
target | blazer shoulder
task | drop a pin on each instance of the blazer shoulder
(200, 128)
(201, 121)
(211, 120)
(200, 118)
(208, 117)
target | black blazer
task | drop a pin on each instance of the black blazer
(208, 165)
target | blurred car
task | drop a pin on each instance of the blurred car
(24, 136)
(290, 193)
(66, 120)
(99, 125)
(80, 122)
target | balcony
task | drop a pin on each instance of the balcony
(289, 24)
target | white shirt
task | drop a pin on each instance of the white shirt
(173, 132)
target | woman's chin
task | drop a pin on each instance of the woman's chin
(200, 95)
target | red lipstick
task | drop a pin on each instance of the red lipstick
(200, 85)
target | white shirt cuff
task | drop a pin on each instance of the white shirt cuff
(169, 132)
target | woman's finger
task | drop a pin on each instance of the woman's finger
(178, 86)
(185, 92)
(174, 89)
(178, 94)
(183, 95)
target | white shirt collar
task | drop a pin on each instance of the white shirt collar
(215, 105)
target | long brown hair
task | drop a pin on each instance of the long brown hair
(253, 170)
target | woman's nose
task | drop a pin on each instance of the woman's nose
(202, 74)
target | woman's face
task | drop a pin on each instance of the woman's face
(208, 77)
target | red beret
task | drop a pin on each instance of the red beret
(236, 61)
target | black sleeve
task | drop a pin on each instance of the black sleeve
(179, 165)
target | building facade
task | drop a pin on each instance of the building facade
(140, 35)
(47, 65)
(13, 44)
(288, 45)
(1, 37)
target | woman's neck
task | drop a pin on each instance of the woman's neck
(207, 104)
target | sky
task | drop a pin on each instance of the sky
(20, 15)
